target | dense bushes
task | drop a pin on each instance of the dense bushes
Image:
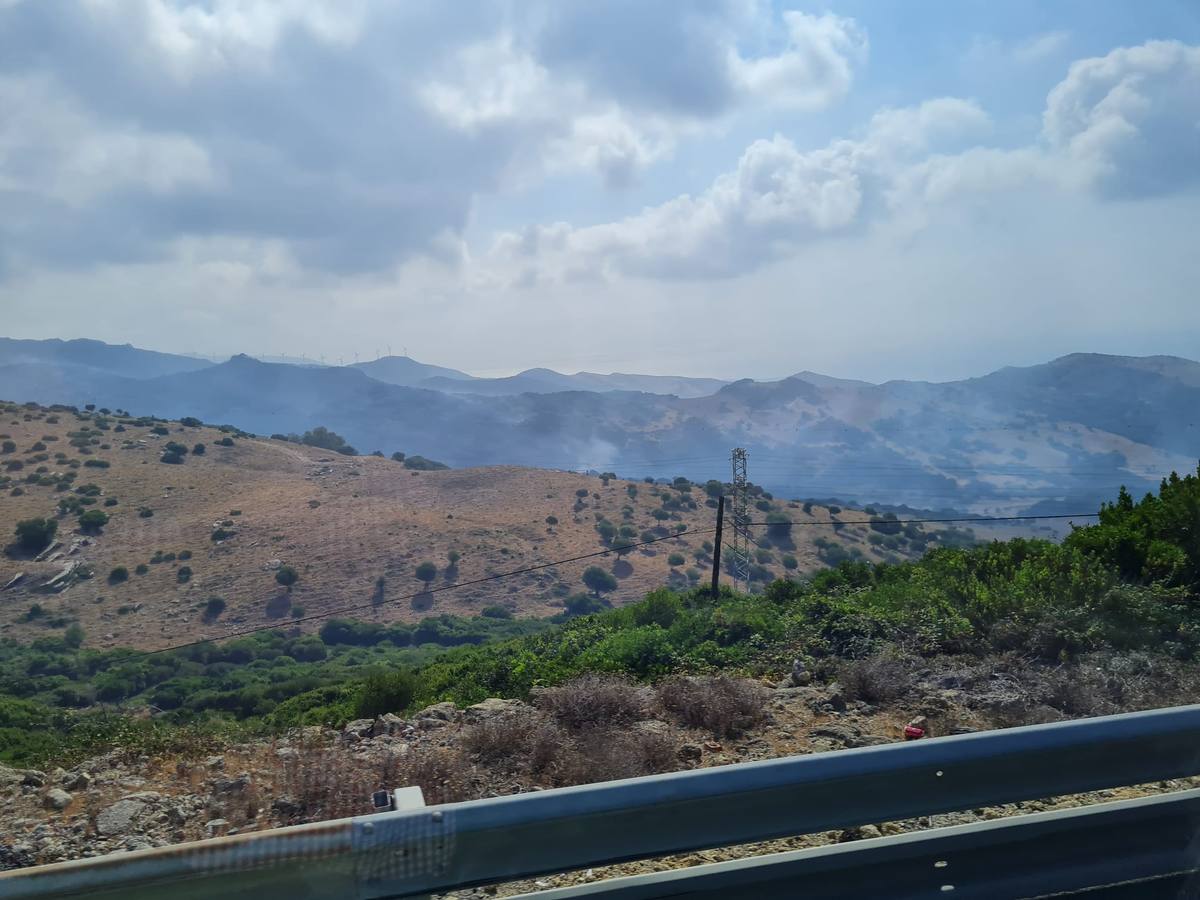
(1099, 592)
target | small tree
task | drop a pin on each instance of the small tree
(93, 520)
(287, 576)
(598, 580)
(425, 572)
(384, 692)
(398, 456)
(676, 559)
(213, 608)
(73, 636)
(118, 574)
(35, 535)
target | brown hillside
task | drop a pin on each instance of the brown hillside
(341, 522)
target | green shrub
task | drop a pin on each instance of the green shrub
(141, 569)
(35, 535)
(383, 692)
(598, 580)
(676, 559)
(93, 520)
(118, 575)
(421, 464)
(287, 576)
(184, 574)
(425, 572)
(213, 608)
(198, 450)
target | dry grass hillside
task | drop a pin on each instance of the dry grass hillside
(355, 529)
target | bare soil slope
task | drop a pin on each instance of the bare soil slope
(235, 514)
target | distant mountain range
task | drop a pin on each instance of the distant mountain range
(1054, 437)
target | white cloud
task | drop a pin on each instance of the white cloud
(814, 70)
(1041, 46)
(777, 198)
(1126, 124)
(1130, 121)
(360, 132)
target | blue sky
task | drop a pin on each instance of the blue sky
(719, 187)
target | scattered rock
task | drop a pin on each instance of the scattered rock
(490, 708)
(390, 723)
(441, 712)
(215, 763)
(359, 729)
(652, 727)
(232, 785)
(57, 798)
(78, 781)
(33, 778)
(120, 817)
(800, 676)
(14, 581)
(690, 752)
(861, 833)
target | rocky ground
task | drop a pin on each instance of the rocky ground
(122, 801)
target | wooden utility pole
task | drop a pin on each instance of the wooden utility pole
(716, 572)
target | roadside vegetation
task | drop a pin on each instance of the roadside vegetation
(1127, 585)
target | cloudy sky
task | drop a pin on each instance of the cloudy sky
(716, 187)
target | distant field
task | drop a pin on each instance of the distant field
(343, 523)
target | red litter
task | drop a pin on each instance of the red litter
(912, 732)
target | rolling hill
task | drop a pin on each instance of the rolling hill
(1056, 437)
(354, 528)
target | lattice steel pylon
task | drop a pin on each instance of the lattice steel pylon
(739, 502)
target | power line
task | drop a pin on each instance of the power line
(448, 587)
(141, 654)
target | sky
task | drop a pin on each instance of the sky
(729, 188)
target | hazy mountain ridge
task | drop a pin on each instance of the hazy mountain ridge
(1045, 437)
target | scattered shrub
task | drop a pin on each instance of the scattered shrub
(287, 576)
(93, 520)
(722, 705)
(213, 608)
(384, 692)
(595, 700)
(118, 575)
(35, 535)
(598, 580)
(880, 678)
(184, 574)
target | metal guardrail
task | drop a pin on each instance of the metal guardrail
(418, 852)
